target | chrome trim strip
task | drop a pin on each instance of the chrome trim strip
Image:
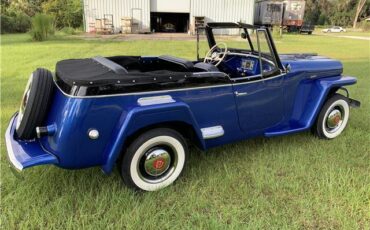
(247, 77)
(17, 165)
(208, 73)
(264, 79)
(165, 91)
(11, 156)
(156, 100)
(141, 93)
(212, 132)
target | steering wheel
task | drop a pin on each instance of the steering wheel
(215, 56)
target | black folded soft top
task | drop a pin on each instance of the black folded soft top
(101, 71)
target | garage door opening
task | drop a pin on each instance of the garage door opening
(169, 22)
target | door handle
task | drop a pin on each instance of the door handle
(239, 94)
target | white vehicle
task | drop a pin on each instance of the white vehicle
(334, 29)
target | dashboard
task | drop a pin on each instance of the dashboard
(244, 65)
(248, 66)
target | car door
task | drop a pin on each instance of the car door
(260, 102)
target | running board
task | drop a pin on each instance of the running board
(285, 130)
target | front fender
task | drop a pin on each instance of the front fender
(143, 116)
(309, 99)
(321, 92)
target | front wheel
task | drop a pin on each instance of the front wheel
(154, 160)
(333, 117)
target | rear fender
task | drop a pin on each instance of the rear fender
(144, 116)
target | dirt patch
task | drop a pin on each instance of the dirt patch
(131, 37)
(348, 36)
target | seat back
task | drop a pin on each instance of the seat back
(180, 61)
(207, 67)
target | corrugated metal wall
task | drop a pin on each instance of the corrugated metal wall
(223, 11)
(171, 6)
(212, 10)
(94, 9)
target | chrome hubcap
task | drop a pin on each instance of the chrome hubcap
(157, 162)
(24, 101)
(334, 120)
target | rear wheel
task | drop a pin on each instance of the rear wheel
(333, 117)
(154, 160)
(34, 103)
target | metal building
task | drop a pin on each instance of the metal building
(179, 16)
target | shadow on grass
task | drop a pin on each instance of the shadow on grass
(25, 39)
(17, 39)
(50, 181)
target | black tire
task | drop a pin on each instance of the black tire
(310, 32)
(133, 165)
(321, 128)
(35, 102)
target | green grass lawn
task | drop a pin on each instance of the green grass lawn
(291, 182)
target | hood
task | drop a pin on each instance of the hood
(312, 64)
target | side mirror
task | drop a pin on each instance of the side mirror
(243, 35)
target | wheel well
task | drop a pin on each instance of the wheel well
(330, 94)
(186, 130)
(335, 90)
(332, 91)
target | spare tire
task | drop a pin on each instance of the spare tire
(35, 101)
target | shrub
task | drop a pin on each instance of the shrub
(7, 24)
(323, 19)
(22, 23)
(42, 27)
(15, 23)
(365, 25)
(69, 31)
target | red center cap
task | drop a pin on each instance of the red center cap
(159, 163)
(336, 119)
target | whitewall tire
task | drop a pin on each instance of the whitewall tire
(154, 160)
(333, 117)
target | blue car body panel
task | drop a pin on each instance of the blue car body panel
(118, 117)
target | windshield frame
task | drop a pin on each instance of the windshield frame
(230, 25)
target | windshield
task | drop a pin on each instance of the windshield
(233, 38)
(237, 39)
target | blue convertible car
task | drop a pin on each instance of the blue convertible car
(141, 113)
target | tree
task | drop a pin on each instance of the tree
(66, 13)
(360, 6)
